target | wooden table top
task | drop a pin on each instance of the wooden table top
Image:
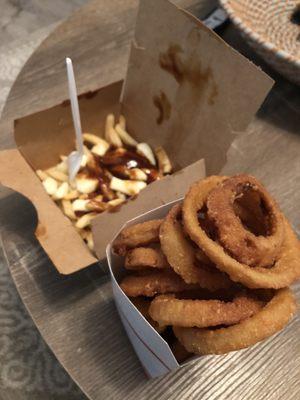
(76, 314)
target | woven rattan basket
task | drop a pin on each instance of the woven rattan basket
(267, 26)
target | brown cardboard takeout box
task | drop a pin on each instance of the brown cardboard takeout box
(185, 89)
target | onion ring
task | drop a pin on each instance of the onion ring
(137, 235)
(181, 255)
(152, 283)
(145, 257)
(269, 320)
(241, 243)
(248, 209)
(202, 257)
(168, 310)
(143, 304)
(286, 268)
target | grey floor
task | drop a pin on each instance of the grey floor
(24, 17)
(28, 370)
(23, 25)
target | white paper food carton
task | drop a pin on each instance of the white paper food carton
(152, 350)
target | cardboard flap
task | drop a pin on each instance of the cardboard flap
(44, 136)
(53, 227)
(172, 187)
(186, 89)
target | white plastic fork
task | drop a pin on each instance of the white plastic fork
(75, 158)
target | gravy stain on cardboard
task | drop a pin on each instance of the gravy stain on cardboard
(40, 230)
(164, 107)
(188, 70)
(196, 88)
(171, 62)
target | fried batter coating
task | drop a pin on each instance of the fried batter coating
(153, 283)
(266, 322)
(182, 256)
(143, 304)
(286, 268)
(137, 235)
(245, 246)
(169, 310)
(145, 257)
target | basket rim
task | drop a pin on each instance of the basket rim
(284, 55)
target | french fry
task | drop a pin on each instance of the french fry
(72, 195)
(137, 174)
(130, 188)
(107, 192)
(121, 195)
(109, 123)
(164, 163)
(110, 133)
(116, 202)
(57, 174)
(92, 164)
(41, 174)
(99, 197)
(122, 122)
(90, 240)
(97, 206)
(94, 139)
(122, 171)
(145, 150)
(85, 220)
(63, 166)
(125, 137)
(88, 155)
(100, 148)
(85, 184)
(68, 209)
(61, 191)
(80, 205)
(114, 138)
(84, 160)
(50, 185)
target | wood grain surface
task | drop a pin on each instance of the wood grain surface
(76, 314)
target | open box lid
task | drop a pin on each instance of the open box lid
(185, 89)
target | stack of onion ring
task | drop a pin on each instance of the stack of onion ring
(215, 269)
(285, 266)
